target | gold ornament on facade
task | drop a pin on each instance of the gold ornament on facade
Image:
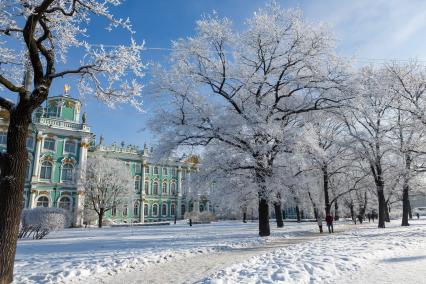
(69, 103)
(43, 193)
(84, 145)
(193, 159)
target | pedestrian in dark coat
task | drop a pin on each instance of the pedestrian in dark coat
(329, 221)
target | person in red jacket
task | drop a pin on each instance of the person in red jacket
(329, 221)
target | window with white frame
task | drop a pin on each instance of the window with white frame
(138, 167)
(3, 138)
(137, 183)
(42, 201)
(146, 187)
(135, 209)
(164, 210)
(30, 142)
(46, 170)
(155, 188)
(114, 210)
(147, 169)
(155, 210)
(164, 188)
(28, 171)
(67, 173)
(125, 210)
(65, 203)
(70, 146)
(165, 172)
(145, 209)
(174, 171)
(155, 170)
(173, 188)
(172, 209)
(49, 144)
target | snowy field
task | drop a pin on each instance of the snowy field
(224, 252)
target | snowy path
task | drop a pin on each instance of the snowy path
(195, 268)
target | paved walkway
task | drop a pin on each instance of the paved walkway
(193, 269)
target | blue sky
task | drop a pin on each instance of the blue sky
(368, 30)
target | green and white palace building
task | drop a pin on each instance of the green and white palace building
(60, 142)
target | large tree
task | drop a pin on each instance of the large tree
(108, 184)
(35, 37)
(244, 90)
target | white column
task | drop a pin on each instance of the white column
(32, 198)
(179, 195)
(82, 162)
(142, 195)
(39, 143)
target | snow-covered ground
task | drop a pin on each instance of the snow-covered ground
(362, 255)
(80, 254)
(226, 252)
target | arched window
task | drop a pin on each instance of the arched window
(164, 209)
(146, 187)
(145, 209)
(70, 147)
(155, 189)
(165, 172)
(137, 183)
(67, 172)
(155, 170)
(172, 209)
(43, 201)
(182, 210)
(65, 203)
(46, 170)
(136, 209)
(172, 188)
(125, 210)
(164, 188)
(155, 210)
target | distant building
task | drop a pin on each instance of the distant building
(58, 146)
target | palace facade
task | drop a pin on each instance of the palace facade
(60, 142)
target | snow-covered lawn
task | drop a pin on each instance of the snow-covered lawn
(79, 254)
(362, 255)
(294, 254)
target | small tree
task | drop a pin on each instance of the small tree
(108, 183)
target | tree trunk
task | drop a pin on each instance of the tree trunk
(264, 229)
(405, 205)
(298, 214)
(244, 217)
(387, 211)
(382, 206)
(13, 169)
(351, 207)
(410, 212)
(100, 217)
(325, 188)
(336, 211)
(278, 214)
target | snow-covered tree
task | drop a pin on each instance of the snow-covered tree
(368, 125)
(108, 183)
(35, 37)
(246, 90)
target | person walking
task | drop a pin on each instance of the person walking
(329, 221)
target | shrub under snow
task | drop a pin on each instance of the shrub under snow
(38, 222)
